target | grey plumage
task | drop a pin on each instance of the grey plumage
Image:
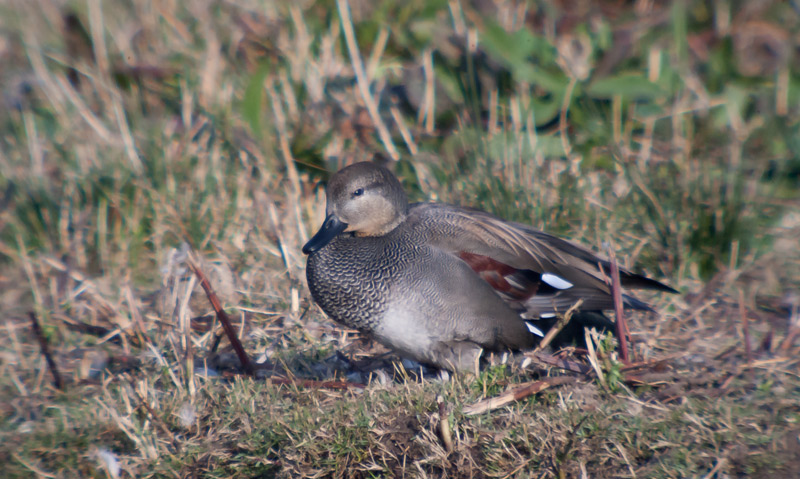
(440, 283)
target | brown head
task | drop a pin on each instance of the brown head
(365, 199)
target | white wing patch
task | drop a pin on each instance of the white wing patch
(556, 281)
(547, 315)
(533, 329)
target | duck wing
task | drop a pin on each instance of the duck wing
(538, 273)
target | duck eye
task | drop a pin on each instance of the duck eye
(358, 192)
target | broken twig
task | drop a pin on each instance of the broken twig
(560, 324)
(51, 364)
(444, 425)
(244, 359)
(622, 324)
(566, 364)
(517, 393)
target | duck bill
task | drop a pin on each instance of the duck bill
(329, 229)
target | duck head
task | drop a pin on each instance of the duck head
(364, 199)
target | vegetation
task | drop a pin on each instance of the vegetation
(133, 132)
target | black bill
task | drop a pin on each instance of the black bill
(329, 229)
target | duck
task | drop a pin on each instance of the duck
(442, 284)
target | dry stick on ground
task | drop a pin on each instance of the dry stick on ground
(244, 359)
(51, 364)
(517, 393)
(565, 364)
(627, 377)
(622, 325)
(560, 324)
(652, 362)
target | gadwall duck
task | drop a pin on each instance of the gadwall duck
(439, 283)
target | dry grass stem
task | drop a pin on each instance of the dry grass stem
(515, 394)
(362, 80)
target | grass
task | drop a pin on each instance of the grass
(132, 132)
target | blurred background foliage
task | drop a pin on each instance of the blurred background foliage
(669, 128)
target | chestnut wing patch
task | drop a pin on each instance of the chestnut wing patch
(538, 295)
(514, 285)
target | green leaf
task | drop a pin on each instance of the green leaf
(252, 100)
(553, 83)
(511, 47)
(627, 85)
(520, 52)
(649, 110)
(737, 97)
(544, 111)
(794, 89)
(680, 30)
